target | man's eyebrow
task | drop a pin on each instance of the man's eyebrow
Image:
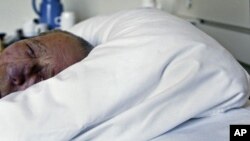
(36, 44)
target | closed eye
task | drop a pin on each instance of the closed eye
(30, 51)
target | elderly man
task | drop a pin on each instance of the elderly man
(30, 61)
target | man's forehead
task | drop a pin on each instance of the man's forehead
(54, 34)
(34, 43)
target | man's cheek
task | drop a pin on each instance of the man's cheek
(4, 83)
(2, 73)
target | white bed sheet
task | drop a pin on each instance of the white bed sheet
(214, 128)
(149, 74)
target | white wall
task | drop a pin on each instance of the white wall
(14, 13)
(233, 12)
(229, 22)
(88, 8)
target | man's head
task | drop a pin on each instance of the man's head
(29, 61)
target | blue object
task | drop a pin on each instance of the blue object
(50, 12)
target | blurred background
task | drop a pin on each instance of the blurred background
(228, 21)
(15, 13)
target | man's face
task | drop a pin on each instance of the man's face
(29, 61)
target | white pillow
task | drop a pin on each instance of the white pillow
(149, 72)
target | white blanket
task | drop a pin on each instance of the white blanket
(149, 73)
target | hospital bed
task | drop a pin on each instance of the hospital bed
(151, 76)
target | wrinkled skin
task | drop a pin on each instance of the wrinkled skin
(30, 61)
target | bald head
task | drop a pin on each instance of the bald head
(30, 61)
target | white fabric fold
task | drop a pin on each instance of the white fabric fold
(148, 73)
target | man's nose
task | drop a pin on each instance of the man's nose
(20, 80)
(16, 75)
(20, 73)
